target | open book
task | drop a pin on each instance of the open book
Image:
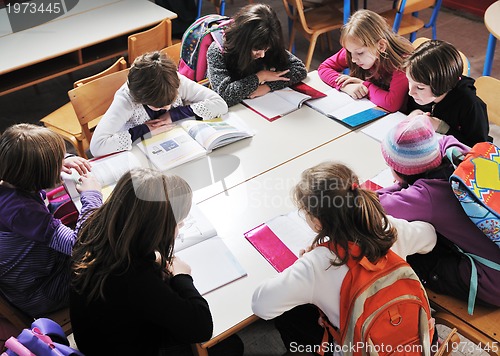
(191, 139)
(106, 169)
(278, 103)
(348, 111)
(280, 239)
(212, 263)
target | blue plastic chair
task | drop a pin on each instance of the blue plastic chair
(222, 8)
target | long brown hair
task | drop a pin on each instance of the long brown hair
(368, 28)
(330, 192)
(31, 157)
(138, 219)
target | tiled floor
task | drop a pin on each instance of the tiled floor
(466, 32)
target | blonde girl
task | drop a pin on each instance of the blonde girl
(373, 53)
(35, 247)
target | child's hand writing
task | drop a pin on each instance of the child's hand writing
(356, 91)
(270, 76)
(261, 90)
(87, 182)
(418, 112)
(178, 266)
(79, 164)
(162, 124)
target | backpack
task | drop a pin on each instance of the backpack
(195, 42)
(44, 338)
(383, 308)
(476, 184)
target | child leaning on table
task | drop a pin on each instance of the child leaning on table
(373, 53)
(129, 294)
(418, 161)
(35, 247)
(253, 60)
(337, 209)
(154, 96)
(440, 90)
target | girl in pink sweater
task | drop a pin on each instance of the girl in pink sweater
(374, 54)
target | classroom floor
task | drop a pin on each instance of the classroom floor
(466, 32)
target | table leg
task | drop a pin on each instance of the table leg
(490, 52)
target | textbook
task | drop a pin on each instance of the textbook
(106, 169)
(212, 263)
(280, 239)
(191, 139)
(342, 107)
(278, 103)
(380, 128)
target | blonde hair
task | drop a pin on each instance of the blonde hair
(368, 28)
(330, 192)
(31, 157)
(139, 218)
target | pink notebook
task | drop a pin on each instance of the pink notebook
(271, 247)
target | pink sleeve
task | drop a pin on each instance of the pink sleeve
(332, 67)
(393, 99)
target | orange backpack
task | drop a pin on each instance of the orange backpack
(384, 309)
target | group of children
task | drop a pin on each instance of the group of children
(116, 270)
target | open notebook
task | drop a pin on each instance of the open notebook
(280, 239)
(212, 263)
(191, 139)
(348, 111)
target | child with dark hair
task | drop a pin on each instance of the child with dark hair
(253, 60)
(418, 161)
(440, 90)
(129, 294)
(374, 55)
(35, 247)
(154, 96)
(342, 213)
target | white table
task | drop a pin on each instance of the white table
(89, 33)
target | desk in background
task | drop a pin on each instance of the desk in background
(82, 37)
(492, 23)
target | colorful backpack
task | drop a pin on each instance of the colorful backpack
(45, 338)
(195, 43)
(384, 308)
(476, 184)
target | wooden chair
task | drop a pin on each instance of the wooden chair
(312, 23)
(481, 328)
(488, 89)
(64, 120)
(153, 39)
(20, 320)
(465, 60)
(174, 52)
(404, 16)
(91, 100)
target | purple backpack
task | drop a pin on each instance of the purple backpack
(195, 42)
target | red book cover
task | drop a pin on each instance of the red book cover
(308, 90)
(271, 247)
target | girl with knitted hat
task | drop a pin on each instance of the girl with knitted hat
(438, 88)
(417, 157)
(374, 55)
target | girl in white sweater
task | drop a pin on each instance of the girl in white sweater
(337, 209)
(154, 96)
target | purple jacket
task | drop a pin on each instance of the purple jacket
(433, 201)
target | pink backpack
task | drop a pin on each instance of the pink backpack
(195, 42)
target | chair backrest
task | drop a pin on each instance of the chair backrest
(119, 65)
(414, 5)
(173, 52)
(465, 60)
(150, 40)
(91, 100)
(488, 89)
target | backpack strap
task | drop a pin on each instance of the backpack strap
(473, 277)
(455, 156)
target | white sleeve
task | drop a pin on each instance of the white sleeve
(294, 286)
(205, 102)
(413, 237)
(110, 135)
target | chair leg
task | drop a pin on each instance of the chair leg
(312, 45)
(291, 46)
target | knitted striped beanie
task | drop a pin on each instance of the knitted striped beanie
(412, 147)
